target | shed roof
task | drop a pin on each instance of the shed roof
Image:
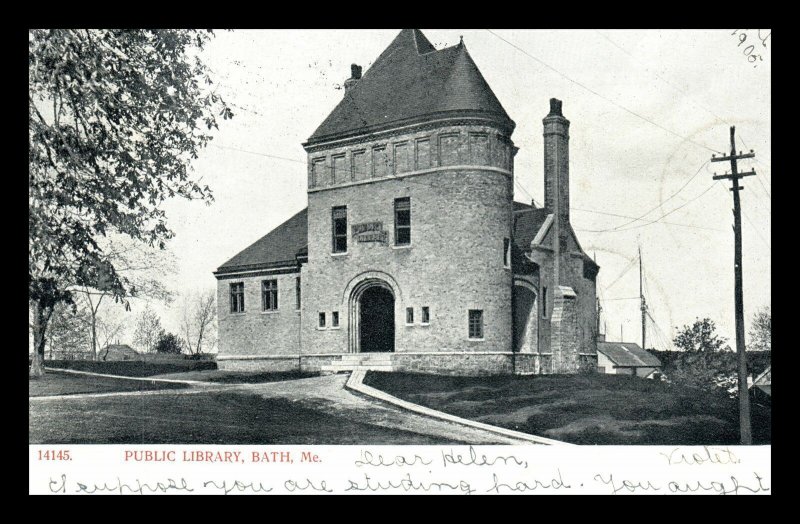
(627, 354)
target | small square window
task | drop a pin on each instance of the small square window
(476, 323)
(426, 315)
(409, 315)
(335, 319)
(322, 320)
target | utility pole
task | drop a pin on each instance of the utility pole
(734, 176)
(643, 306)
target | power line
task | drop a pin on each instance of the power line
(601, 96)
(631, 264)
(670, 212)
(668, 198)
(615, 230)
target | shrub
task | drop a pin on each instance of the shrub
(169, 343)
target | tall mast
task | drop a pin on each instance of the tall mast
(643, 305)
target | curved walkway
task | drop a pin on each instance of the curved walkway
(330, 395)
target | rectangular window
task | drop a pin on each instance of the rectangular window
(339, 172)
(448, 150)
(297, 292)
(318, 172)
(426, 315)
(423, 153)
(507, 252)
(359, 165)
(237, 297)
(409, 315)
(335, 319)
(380, 162)
(475, 323)
(544, 302)
(402, 221)
(322, 320)
(479, 149)
(339, 229)
(269, 295)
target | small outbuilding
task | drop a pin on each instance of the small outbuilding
(626, 358)
(118, 352)
(763, 382)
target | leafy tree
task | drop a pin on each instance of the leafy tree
(69, 332)
(115, 119)
(700, 337)
(148, 330)
(169, 343)
(761, 331)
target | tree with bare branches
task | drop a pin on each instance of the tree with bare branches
(198, 321)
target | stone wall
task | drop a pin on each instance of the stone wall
(258, 332)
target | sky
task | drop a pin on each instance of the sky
(647, 111)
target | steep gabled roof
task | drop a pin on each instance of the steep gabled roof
(410, 80)
(527, 223)
(279, 247)
(627, 354)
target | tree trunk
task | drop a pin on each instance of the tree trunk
(39, 328)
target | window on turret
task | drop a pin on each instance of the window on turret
(339, 229)
(506, 252)
(423, 153)
(318, 172)
(475, 323)
(402, 221)
(339, 172)
(479, 149)
(359, 165)
(402, 159)
(448, 150)
(380, 162)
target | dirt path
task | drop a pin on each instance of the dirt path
(328, 393)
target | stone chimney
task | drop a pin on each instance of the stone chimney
(355, 76)
(556, 160)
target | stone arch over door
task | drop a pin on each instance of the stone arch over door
(361, 288)
(526, 318)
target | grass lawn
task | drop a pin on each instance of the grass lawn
(219, 376)
(228, 417)
(55, 383)
(583, 409)
(132, 368)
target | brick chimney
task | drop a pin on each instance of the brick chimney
(556, 160)
(355, 76)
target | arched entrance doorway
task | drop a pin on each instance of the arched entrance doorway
(376, 326)
(372, 316)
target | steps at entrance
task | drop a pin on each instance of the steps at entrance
(365, 361)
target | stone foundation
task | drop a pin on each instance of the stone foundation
(438, 363)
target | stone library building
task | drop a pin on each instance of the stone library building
(412, 254)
